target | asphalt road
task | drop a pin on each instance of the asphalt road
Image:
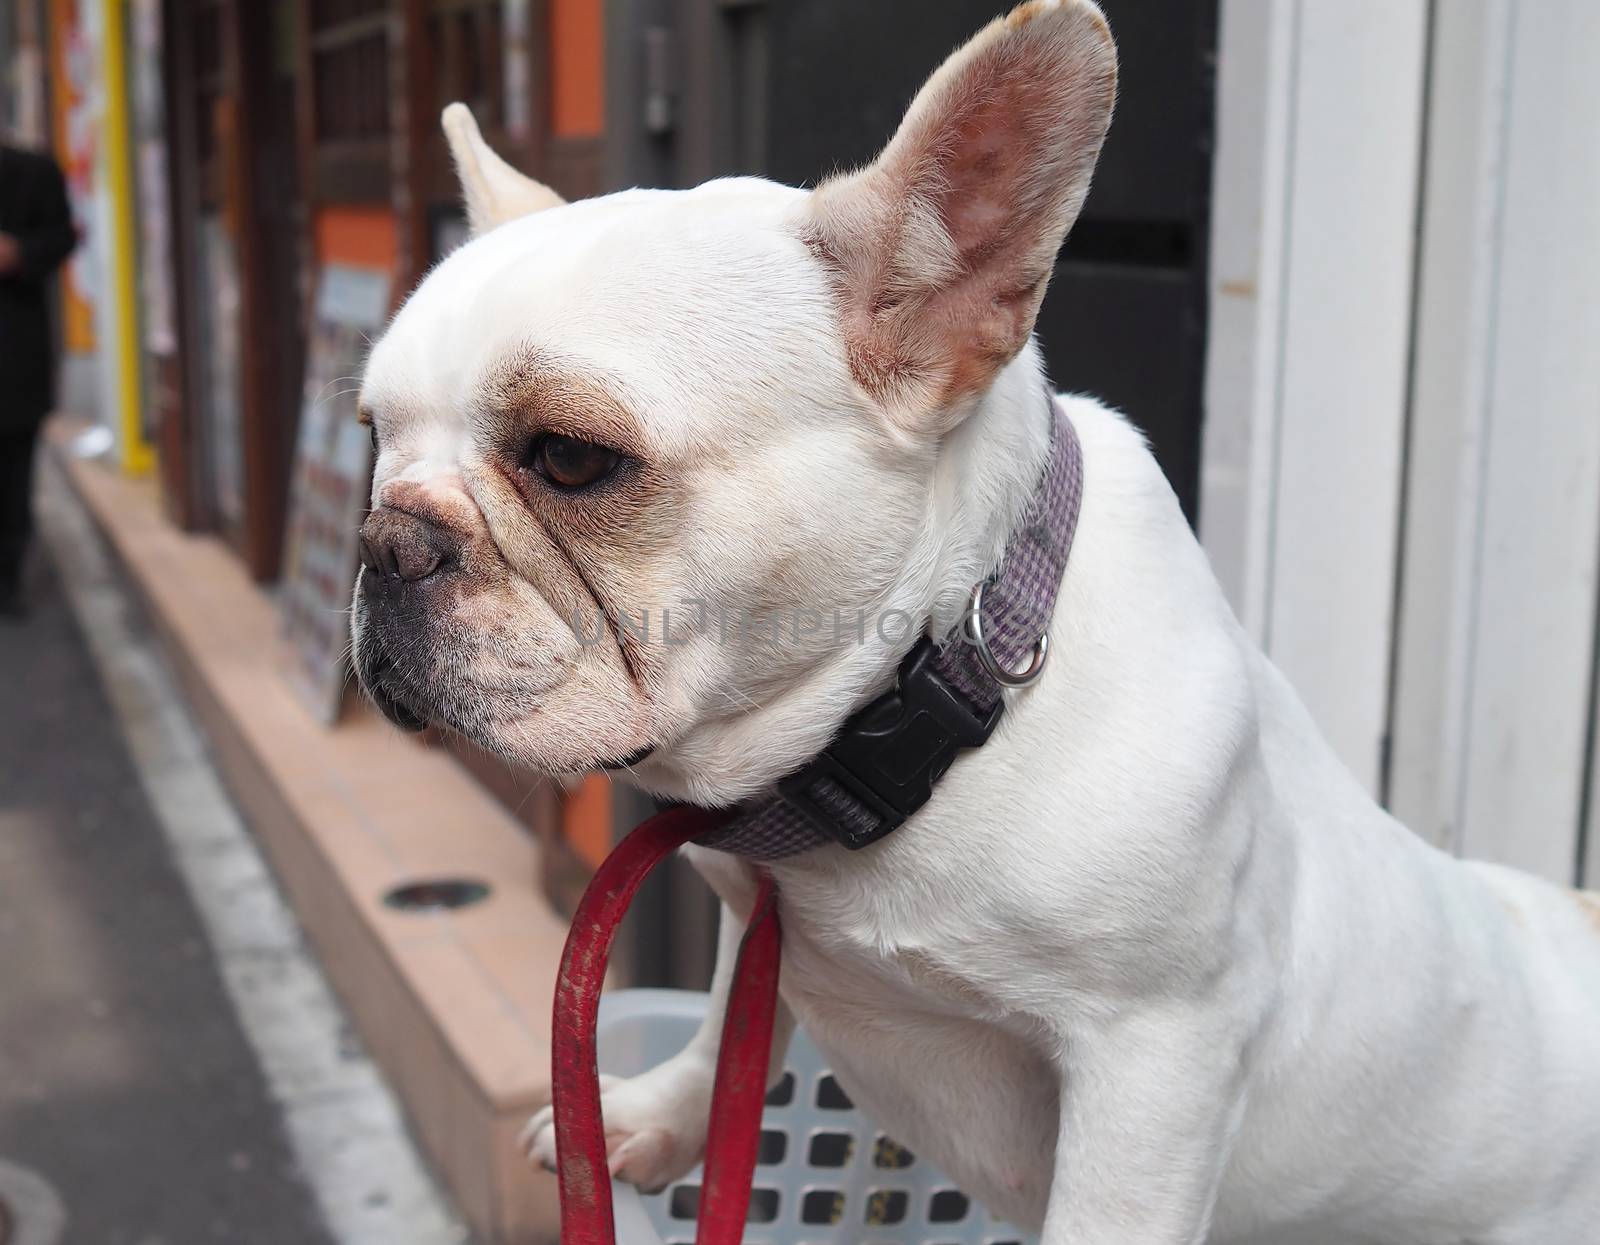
(125, 1079)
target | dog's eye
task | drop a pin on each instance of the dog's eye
(569, 463)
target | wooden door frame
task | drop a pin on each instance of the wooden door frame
(245, 31)
(264, 441)
(407, 175)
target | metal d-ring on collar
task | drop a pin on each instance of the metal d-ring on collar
(997, 672)
(949, 693)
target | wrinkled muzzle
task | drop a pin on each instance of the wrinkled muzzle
(407, 564)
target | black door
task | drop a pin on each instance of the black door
(797, 89)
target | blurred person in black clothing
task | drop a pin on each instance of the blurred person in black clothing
(36, 234)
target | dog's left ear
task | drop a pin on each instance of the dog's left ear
(494, 191)
(941, 250)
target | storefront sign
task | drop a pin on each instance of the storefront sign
(328, 491)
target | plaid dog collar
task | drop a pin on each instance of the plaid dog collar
(948, 696)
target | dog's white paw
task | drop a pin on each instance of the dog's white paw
(655, 1126)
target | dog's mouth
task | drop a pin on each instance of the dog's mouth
(637, 757)
(423, 673)
(377, 675)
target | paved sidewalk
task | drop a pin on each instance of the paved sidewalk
(171, 1060)
(125, 1080)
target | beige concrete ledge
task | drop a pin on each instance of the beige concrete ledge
(454, 1006)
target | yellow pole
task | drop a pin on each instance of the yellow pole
(137, 456)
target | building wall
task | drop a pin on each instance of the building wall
(1401, 474)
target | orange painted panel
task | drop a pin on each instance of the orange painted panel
(367, 237)
(577, 68)
(586, 818)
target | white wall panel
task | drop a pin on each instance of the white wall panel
(1457, 279)
(1347, 311)
(1539, 542)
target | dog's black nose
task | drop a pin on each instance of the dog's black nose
(400, 546)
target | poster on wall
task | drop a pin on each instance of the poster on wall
(328, 489)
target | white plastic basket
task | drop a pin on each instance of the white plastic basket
(825, 1175)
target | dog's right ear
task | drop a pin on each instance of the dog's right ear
(494, 191)
(939, 252)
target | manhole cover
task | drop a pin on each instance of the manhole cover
(30, 1210)
(437, 895)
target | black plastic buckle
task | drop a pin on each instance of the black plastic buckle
(890, 753)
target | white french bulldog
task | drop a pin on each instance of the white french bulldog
(1151, 968)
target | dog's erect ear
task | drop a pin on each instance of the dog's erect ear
(941, 250)
(494, 191)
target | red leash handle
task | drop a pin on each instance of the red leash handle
(737, 1097)
(740, 1090)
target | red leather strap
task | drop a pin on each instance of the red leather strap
(583, 1174)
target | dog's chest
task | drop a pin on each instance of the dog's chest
(877, 967)
(933, 1056)
(891, 948)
